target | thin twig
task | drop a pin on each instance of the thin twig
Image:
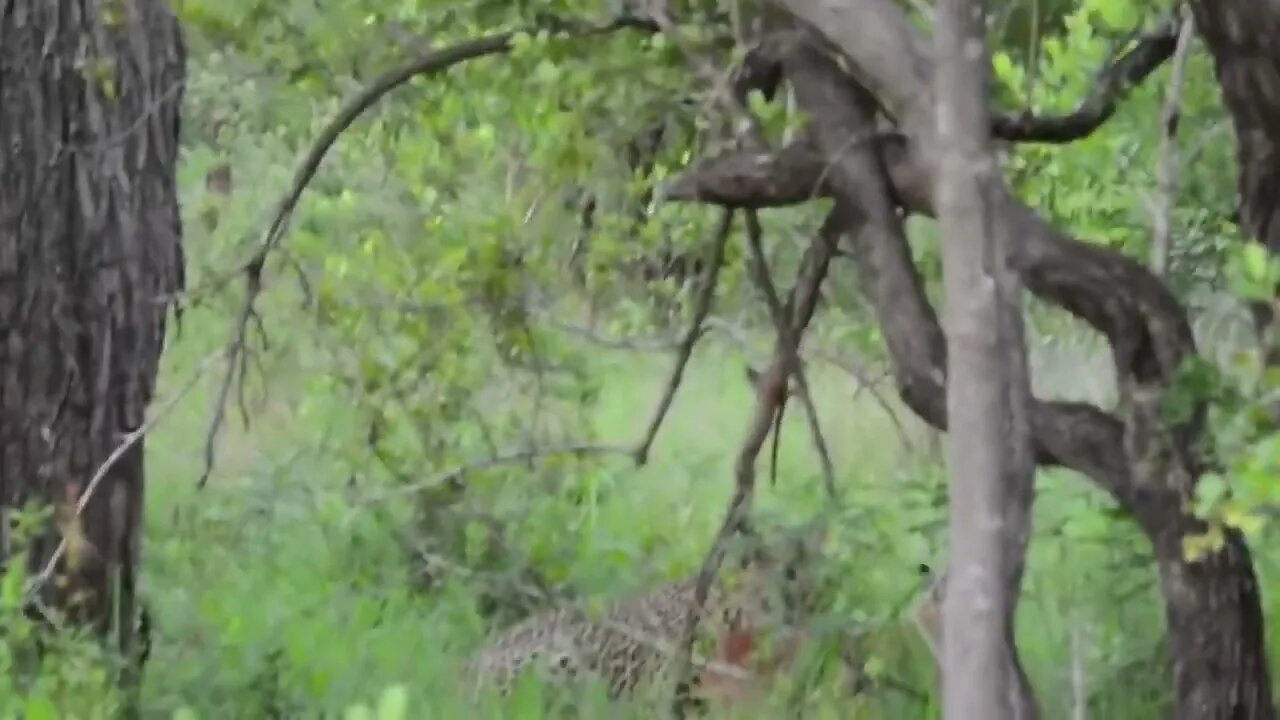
(129, 439)
(872, 386)
(658, 344)
(789, 344)
(513, 457)
(739, 507)
(700, 311)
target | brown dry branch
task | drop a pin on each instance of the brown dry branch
(702, 307)
(735, 519)
(431, 63)
(454, 478)
(789, 335)
(634, 344)
(770, 392)
(867, 383)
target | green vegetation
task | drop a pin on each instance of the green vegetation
(325, 569)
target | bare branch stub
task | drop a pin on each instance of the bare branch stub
(755, 180)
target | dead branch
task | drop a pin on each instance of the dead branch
(758, 180)
(454, 479)
(789, 333)
(734, 520)
(701, 309)
(429, 64)
(649, 344)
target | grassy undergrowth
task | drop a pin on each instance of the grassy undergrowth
(280, 589)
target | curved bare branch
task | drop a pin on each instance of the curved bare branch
(429, 64)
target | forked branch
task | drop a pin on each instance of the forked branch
(787, 355)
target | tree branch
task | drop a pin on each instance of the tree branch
(429, 64)
(789, 330)
(754, 180)
(1110, 86)
(453, 479)
(701, 309)
(1118, 296)
(1076, 435)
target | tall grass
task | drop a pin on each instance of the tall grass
(281, 589)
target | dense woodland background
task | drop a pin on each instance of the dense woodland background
(450, 362)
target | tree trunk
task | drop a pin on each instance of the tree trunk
(1213, 606)
(991, 463)
(90, 262)
(1241, 34)
(1223, 663)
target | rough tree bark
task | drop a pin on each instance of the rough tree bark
(1240, 34)
(90, 263)
(989, 450)
(847, 61)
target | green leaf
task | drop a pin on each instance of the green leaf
(1249, 523)
(41, 708)
(1255, 262)
(1198, 547)
(1115, 14)
(1211, 490)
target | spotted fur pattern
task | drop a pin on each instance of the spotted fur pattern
(632, 641)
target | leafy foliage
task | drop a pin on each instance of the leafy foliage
(426, 313)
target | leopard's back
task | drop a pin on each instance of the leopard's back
(635, 640)
(631, 642)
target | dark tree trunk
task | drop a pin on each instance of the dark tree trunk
(1241, 35)
(90, 262)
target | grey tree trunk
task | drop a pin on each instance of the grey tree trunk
(90, 263)
(989, 452)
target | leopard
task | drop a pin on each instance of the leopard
(633, 641)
